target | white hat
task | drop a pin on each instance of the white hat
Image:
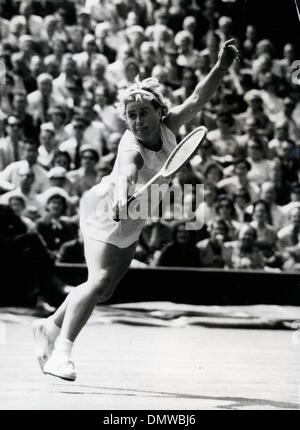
(57, 172)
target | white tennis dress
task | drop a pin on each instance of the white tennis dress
(96, 220)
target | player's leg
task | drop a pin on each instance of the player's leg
(107, 264)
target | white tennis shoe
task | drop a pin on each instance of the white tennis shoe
(60, 366)
(43, 345)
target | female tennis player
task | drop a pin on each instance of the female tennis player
(110, 245)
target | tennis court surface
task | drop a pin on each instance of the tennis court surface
(161, 356)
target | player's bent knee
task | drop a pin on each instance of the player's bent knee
(102, 285)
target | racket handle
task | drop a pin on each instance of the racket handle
(117, 216)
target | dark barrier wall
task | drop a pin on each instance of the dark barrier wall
(198, 286)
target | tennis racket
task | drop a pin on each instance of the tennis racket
(183, 152)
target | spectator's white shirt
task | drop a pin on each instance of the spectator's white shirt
(273, 104)
(110, 119)
(7, 155)
(115, 71)
(231, 185)
(260, 171)
(100, 10)
(4, 28)
(59, 87)
(206, 213)
(45, 158)
(11, 175)
(36, 25)
(223, 145)
(34, 100)
(70, 146)
(278, 217)
(286, 209)
(95, 134)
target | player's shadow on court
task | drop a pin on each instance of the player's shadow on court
(235, 402)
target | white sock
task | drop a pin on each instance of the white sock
(52, 329)
(64, 347)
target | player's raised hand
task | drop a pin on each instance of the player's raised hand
(227, 54)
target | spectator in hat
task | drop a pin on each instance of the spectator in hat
(84, 21)
(85, 58)
(24, 189)
(47, 145)
(33, 23)
(40, 100)
(68, 71)
(86, 176)
(18, 205)
(10, 145)
(62, 159)
(58, 118)
(187, 56)
(58, 178)
(256, 111)
(239, 180)
(73, 145)
(10, 177)
(54, 227)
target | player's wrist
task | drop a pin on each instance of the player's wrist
(221, 67)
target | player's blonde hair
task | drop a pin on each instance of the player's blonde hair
(143, 90)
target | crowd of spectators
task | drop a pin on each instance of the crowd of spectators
(64, 63)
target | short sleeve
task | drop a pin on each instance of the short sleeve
(128, 142)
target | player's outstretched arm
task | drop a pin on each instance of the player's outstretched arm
(130, 163)
(185, 112)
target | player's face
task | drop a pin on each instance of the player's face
(144, 121)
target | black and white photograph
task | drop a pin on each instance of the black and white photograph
(149, 208)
